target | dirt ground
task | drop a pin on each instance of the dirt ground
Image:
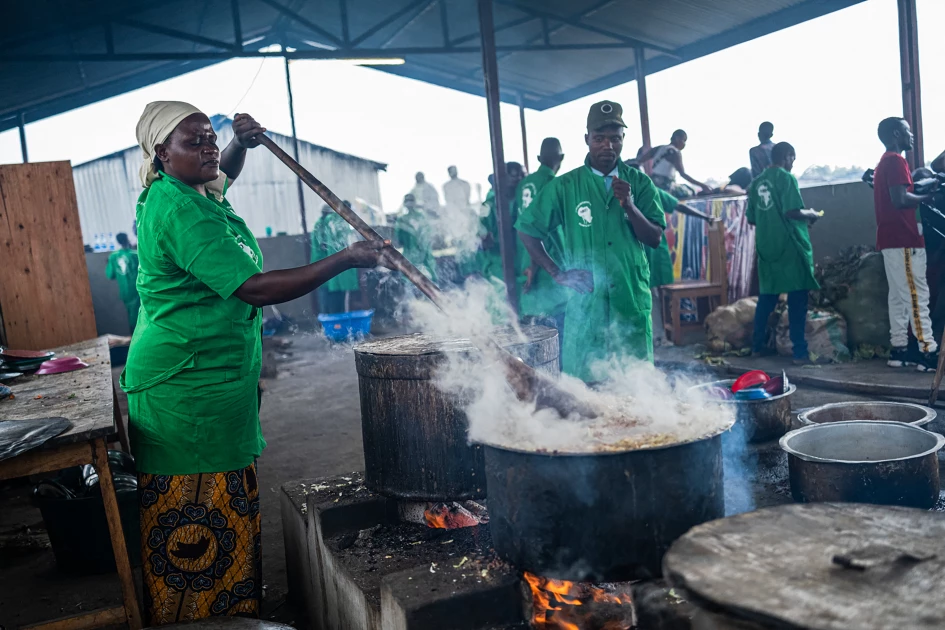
(311, 420)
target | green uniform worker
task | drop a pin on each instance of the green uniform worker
(607, 212)
(340, 235)
(540, 296)
(123, 267)
(490, 253)
(193, 367)
(661, 261)
(321, 235)
(782, 242)
(415, 234)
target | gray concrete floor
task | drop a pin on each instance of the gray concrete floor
(311, 420)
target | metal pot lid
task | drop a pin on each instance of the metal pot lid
(420, 343)
(828, 433)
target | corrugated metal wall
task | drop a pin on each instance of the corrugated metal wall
(265, 194)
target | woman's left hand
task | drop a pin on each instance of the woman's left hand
(246, 129)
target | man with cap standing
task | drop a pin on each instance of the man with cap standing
(607, 212)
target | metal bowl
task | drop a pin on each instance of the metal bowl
(760, 420)
(906, 413)
(864, 461)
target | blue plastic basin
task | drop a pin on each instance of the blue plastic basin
(345, 326)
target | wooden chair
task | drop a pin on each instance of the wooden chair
(713, 290)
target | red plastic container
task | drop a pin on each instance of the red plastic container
(750, 379)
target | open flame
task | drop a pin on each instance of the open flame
(563, 605)
(455, 515)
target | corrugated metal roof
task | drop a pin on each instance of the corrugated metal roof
(265, 195)
(57, 55)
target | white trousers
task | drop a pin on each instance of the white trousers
(908, 298)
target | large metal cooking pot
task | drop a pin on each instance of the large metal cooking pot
(758, 420)
(909, 413)
(865, 461)
(602, 516)
(414, 434)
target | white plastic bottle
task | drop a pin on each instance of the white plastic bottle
(111, 241)
(97, 246)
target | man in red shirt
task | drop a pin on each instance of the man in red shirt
(899, 238)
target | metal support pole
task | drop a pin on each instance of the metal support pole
(237, 24)
(490, 76)
(639, 64)
(909, 67)
(22, 126)
(521, 118)
(295, 149)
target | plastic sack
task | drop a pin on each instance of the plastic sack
(826, 334)
(729, 328)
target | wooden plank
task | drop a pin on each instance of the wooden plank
(86, 397)
(46, 460)
(84, 621)
(780, 567)
(122, 563)
(45, 295)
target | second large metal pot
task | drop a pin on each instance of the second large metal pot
(757, 420)
(888, 463)
(600, 517)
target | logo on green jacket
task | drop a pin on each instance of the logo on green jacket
(764, 193)
(529, 192)
(247, 249)
(583, 210)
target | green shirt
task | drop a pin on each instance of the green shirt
(785, 255)
(414, 233)
(123, 267)
(546, 297)
(321, 235)
(196, 353)
(661, 261)
(614, 319)
(490, 259)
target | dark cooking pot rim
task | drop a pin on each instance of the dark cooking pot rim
(787, 448)
(729, 382)
(707, 436)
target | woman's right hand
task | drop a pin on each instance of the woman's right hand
(369, 254)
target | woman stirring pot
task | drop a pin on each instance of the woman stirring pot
(194, 365)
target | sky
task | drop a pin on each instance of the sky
(825, 85)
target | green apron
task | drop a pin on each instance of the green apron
(339, 235)
(614, 319)
(785, 255)
(413, 232)
(193, 367)
(546, 298)
(660, 259)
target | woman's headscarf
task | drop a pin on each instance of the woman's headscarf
(156, 124)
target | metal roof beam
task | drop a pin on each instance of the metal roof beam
(314, 53)
(577, 23)
(396, 15)
(501, 27)
(175, 34)
(420, 10)
(295, 17)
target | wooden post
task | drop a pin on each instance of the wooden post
(521, 118)
(490, 76)
(639, 64)
(909, 68)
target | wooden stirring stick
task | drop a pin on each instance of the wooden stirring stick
(527, 383)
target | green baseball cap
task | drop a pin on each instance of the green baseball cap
(603, 114)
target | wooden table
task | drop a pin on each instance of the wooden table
(87, 398)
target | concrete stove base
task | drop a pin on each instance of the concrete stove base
(353, 565)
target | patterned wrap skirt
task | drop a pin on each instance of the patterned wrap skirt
(201, 548)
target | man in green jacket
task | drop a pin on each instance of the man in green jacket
(782, 242)
(607, 213)
(490, 254)
(123, 267)
(542, 300)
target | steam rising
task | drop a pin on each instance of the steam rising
(639, 406)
